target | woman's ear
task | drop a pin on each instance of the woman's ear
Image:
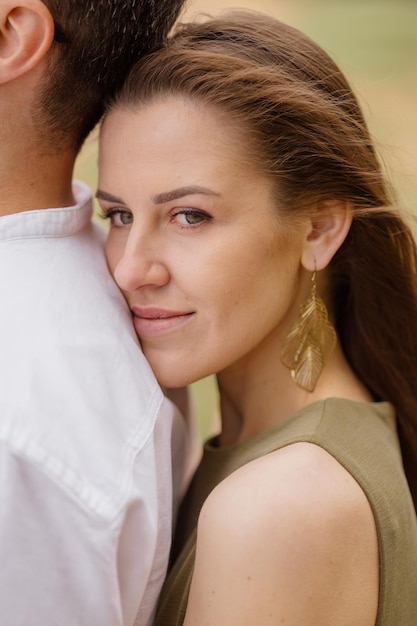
(26, 35)
(328, 228)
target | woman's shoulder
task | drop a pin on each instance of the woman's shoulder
(297, 530)
(302, 476)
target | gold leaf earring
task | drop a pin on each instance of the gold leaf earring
(310, 341)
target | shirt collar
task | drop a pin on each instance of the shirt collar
(57, 222)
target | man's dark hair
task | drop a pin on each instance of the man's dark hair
(96, 43)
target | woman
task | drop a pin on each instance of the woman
(253, 236)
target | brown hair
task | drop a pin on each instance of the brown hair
(96, 43)
(309, 135)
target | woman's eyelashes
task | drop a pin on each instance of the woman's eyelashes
(190, 218)
(184, 218)
(117, 217)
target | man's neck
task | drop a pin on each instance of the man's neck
(31, 181)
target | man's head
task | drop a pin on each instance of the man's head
(91, 48)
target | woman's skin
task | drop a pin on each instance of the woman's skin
(214, 275)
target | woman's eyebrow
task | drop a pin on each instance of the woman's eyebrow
(174, 194)
(108, 197)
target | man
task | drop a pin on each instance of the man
(87, 440)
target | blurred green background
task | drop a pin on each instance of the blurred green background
(375, 44)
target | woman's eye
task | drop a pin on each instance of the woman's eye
(119, 217)
(191, 217)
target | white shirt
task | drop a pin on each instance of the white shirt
(87, 440)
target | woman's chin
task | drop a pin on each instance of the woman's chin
(181, 371)
(172, 379)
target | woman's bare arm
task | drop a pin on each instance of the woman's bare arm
(287, 539)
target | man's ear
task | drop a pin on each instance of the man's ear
(26, 34)
(329, 226)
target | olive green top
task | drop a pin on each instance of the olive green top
(363, 438)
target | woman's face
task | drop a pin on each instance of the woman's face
(195, 243)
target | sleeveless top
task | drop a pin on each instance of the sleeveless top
(363, 438)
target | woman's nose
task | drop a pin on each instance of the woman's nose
(140, 266)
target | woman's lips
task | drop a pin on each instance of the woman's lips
(153, 321)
